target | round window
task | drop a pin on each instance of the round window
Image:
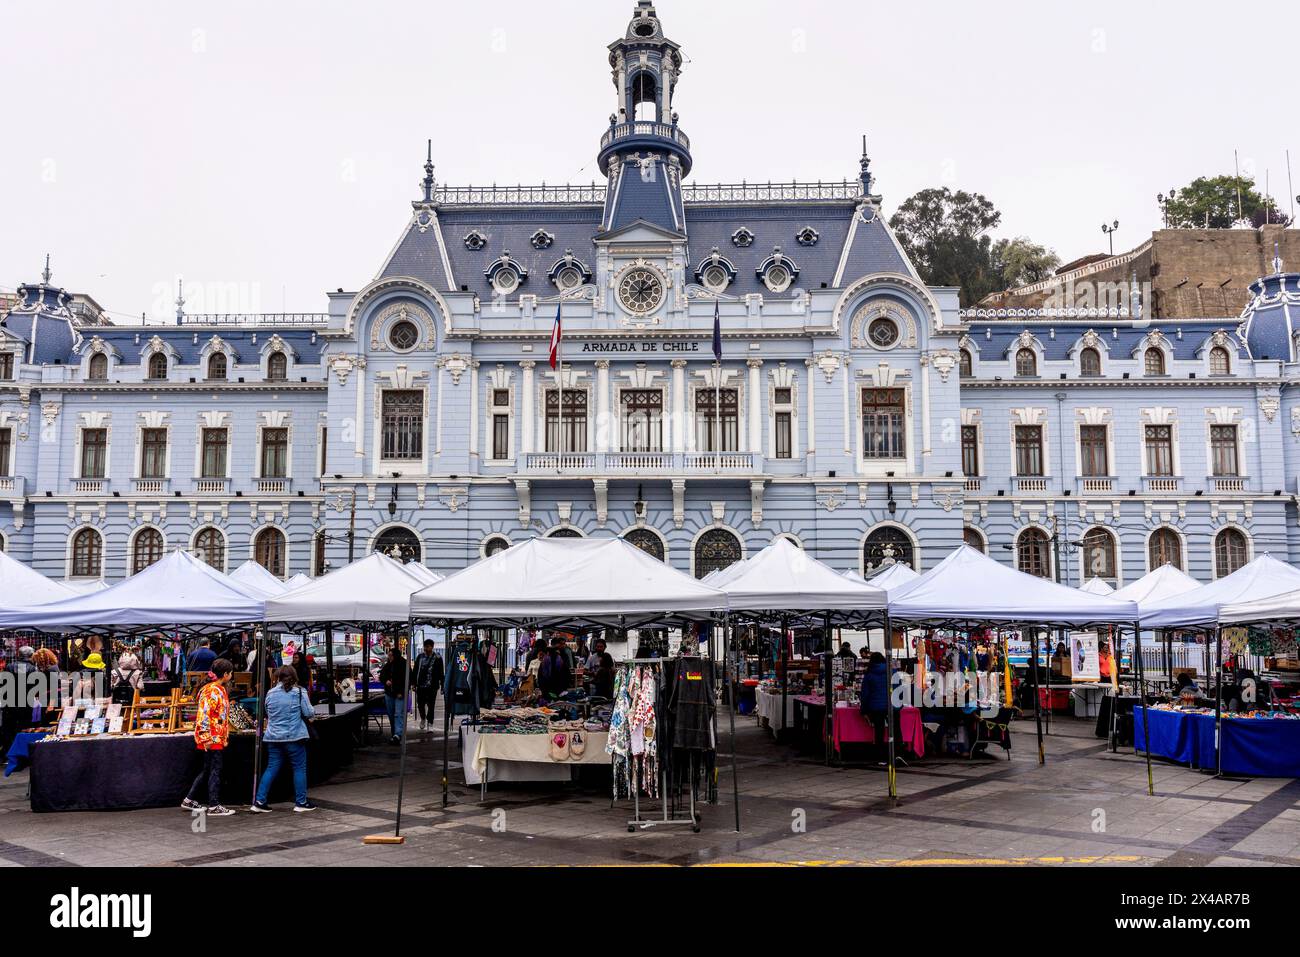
(568, 278)
(777, 278)
(883, 333)
(505, 281)
(404, 335)
(715, 277)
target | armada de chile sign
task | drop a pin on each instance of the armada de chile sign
(642, 347)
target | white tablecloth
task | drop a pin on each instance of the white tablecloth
(768, 708)
(523, 757)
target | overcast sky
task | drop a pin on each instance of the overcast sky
(268, 152)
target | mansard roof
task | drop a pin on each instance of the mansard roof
(1185, 338)
(189, 351)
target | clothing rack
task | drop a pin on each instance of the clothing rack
(667, 817)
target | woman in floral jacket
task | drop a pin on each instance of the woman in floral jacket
(211, 729)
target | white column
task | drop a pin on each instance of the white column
(361, 429)
(848, 420)
(526, 415)
(679, 406)
(755, 406)
(810, 449)
(474, 423)
(925, 414)
(602, 405)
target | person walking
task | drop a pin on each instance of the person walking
(874, 704)
(288, 709)
(211, 730)
(203, 657)
(427, 679)
(392, 676)
(17, 713)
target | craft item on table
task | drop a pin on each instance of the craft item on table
(1284, 644)
(1236, 640)
(1260, 641)
(240, 719)
(81, 727)
(115, 725)
(98, 726)
(66, 722)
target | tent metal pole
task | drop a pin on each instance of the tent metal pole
(1033, 667)
(1142, 700)
(785, 670)
(735, 780)
(260, 637)
(365, 686)
(891, 725)
(401, 760)
(827, 659)
(1218, 700)
(446, 713)
(329, 667)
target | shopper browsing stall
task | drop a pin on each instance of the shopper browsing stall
(211, 731)
(288, 709)
(427, 678)
(391, 676)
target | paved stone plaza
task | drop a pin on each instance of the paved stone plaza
(952, 813)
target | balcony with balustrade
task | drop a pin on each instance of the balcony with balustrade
(13, 486)
(151, 486)
(1028, 484)
(614, 464)
(651, 135)
(90, 486)
(1096, 484)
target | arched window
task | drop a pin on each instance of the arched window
(217, 366)
(565, 533)
(277, 367)
(1099, 555)
(1026, 363)
(158, 365)
(1230, 552)
(495, 545)
(1089, 362)
(1033, 556)
(1164, 548)
(399, 544)
(147, 549)
(1219, 361)
(268, 550)
(647, 541)
(973, 538)
(87, 554)
(98, 368)
(717, 548)
(1153, 361)
(210, 546)
(885, 546)
(965, 364)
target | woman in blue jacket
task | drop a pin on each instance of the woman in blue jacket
(288, 708)
(875, 699)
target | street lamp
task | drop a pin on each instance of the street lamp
(1164, 202)
(1110, 234)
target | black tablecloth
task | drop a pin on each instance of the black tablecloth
(138, 771)
(1124, 724)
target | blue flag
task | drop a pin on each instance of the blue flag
(717, 332)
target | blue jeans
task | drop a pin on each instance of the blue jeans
(293, 752)
(396, 707)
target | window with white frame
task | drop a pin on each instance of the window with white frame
(153, 453)
(884, 424)
(566, 422)
(783, 422)
(1219, 361)
(1160, 450)
(6, 366)
(1093, 450)
(97, 368)
(94, 453)
(275, 453)
(402, 424)
(643, 420)
(1153, 361)
(714, 431)
(1029, 450)
(500, 413)
(6, 450)
(212, 458)
(1223, 451)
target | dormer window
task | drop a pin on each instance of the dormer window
(277, 367)
(98, 368)
(475, 240)
(777, 272)
(217, 366)
(1153, 361)
(807, 236)
(1026, 363)
(542, 239)
(506, 275)
(715, 273)
(1089, 362)
(964, 364)
(569, 273)
(1219, 361)
(742, 238)
(158, 365)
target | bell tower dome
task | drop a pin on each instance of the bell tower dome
(643, 142)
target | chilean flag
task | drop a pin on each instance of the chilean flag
(555, 338)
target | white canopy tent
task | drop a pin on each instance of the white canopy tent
(178, 590)
(1263, 578)
(783, 579)
(968, 586)
(252, 577)
(19, 585)
(1097, 586)
(1163, 583)
(297, 581)
(890, 578)
(83, 586)
(422, 572)
(1280, 608)
(371, 591)
(546, 582)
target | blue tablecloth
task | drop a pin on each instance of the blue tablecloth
(1256, 747)
(20, 751)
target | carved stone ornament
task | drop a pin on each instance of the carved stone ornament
(342, 365)
(1269, 406)
(455, 364)
(944, 362)
(1295, 422)
(1090, 340)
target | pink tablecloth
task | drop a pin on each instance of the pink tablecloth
(852, 727)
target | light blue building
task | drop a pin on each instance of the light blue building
(854, 409)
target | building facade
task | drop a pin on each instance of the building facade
(854, 409)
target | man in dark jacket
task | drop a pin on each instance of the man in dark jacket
(393, 676)
(554, 677)
(875, 700)
(202, 658)
(426, 678)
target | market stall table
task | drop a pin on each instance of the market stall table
(1254, 747)
(501, 757)
(20, 751)
(768, 708)
(121, 772)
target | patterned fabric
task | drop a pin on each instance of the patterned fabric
(619, 743)
(212, 723)
(642, 728)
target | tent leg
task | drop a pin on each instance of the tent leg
(1218, 701)
(401, 760)
(828, 684)
(1142, 700)
(260, 661)
(446, 716)
(365, 686)
(892, 723)
(785, 670)
(1038, 716)
(735, 779)
(329, 667)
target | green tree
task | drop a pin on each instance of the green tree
(946, 235)
(1210, 202)
(1020, 261)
